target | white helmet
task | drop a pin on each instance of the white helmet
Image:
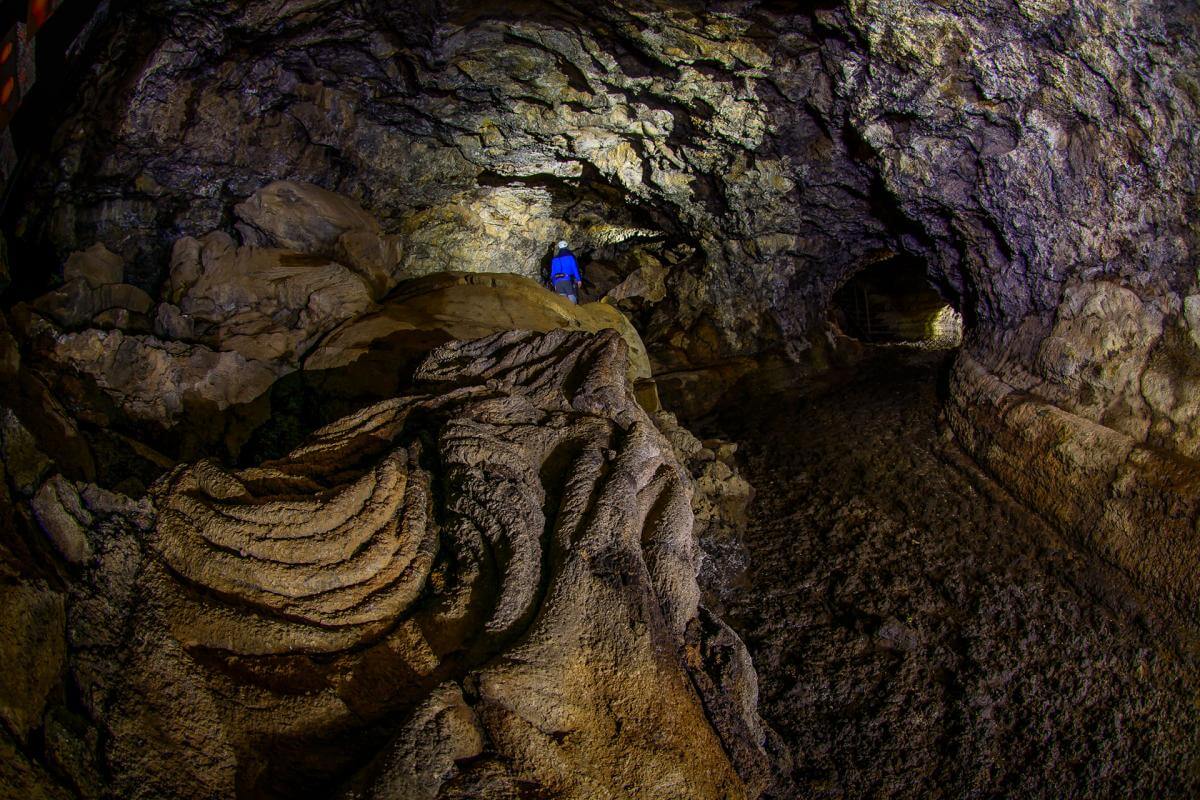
(562, 245)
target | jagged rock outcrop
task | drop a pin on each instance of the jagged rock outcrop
(491, 584)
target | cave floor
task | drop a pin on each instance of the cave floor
(918, 634)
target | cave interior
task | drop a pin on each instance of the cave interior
(866, 465)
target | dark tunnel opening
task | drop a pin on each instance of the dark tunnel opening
(894, 302)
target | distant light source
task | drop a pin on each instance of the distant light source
(945, 329)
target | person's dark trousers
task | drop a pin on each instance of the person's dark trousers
(566, 288)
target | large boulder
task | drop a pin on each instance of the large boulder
(159, 381)
(94, 293)
(265, 304)
(301, 216)
(298, 216)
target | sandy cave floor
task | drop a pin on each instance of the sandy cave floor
(918, 634)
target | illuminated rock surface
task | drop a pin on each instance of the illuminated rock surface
(507, 561)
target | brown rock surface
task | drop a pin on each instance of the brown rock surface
(94, 293)
(918, 633)
(722, 169)
(27, 465)
(97, 266)
(32, 653)
(490, 583)
(298, 216)
(434, 309)
(1137, 506)
(60, 512)
(720, 504)
(265, 304)
(21, 778)
(494, 229)
(647, 281)
(161, 381)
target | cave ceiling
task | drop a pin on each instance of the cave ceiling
(1013, 146)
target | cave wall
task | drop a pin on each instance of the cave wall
(478, 141)
(1019, 147)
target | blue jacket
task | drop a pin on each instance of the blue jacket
(564, 266)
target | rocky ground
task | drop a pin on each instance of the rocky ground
(917, 634)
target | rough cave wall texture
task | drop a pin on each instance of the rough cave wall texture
(1039, 155)
(730, 164)
(1018, 145)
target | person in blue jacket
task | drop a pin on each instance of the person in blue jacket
(564, 273)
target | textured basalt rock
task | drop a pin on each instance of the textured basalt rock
(307, 219)
(491, 585)
(1019, 148)
(916, 632)
(1137, 506)
(33, 623)
(94, 294)
(999, 140)
(722, 168)
(1092, 423)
